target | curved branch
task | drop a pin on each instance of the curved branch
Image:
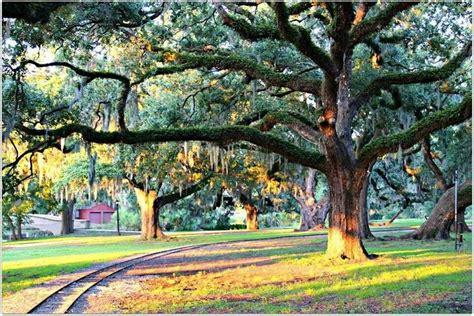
(293, 121)
(422, 76)
(418, 131)
(81, 72)
(245, 29)
(176, 196)
(300, 37)
(226, 134)
(237, 63)
(432, 165)
(367, 27)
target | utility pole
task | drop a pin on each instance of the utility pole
(457, 236)
(118, 218)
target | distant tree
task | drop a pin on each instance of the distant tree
(440, 221)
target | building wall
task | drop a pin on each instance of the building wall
(46, 222)
(99, 214)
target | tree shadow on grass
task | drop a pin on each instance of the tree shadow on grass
(189, 272)
(407, 296)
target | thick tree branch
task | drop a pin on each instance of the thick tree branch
(301, 38)
(245, 29)
(293, 121)
(418, 131)
(422, 76)
(237, 63)
(226, 134)
(367, 27)
(176, 196)
(432, 165)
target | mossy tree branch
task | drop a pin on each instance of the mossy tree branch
(422, 76)
(245, 29)
(301, 39)
(418, 131)
(225, 134)
(91, 75)
(236, 62)
(293, 121)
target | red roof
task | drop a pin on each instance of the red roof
(100, 207)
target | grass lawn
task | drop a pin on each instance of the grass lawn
(30, 262)
(410, 275)
(294, 277)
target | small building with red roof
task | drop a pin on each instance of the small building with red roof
(97, 214)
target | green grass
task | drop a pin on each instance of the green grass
(409, 276)
(30, 262)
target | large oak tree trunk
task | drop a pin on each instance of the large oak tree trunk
(462, 221)
(344, 239)
(146, 201)
(19, 221)
(437, 226)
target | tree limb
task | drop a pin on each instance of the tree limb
(81, 72)
(422, 76)
(173, 197)
(300, 37)
(367, 27)
(293, 121)
(432, 165)
(226, 134)
(418, 131)
(245, 29)
(237, 63)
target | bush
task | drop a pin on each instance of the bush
(278, 219)
(189, 219)
(129, 220)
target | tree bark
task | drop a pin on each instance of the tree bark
(67, 218)
(146, 200)
(365, 232)
(441, 181)
(156, 215)
(314, 214)
(251, 218)
(251, 210)
(344, 237)
(18, 227)
(12, 227)
(437, 226)
(462, 221)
